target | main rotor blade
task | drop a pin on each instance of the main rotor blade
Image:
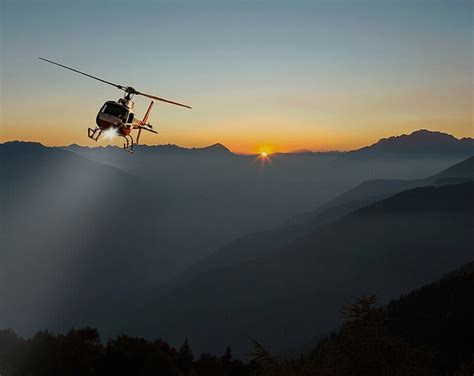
(162, 99)
(127, 89)
(85, 74)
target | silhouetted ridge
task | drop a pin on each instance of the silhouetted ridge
(464, 169)
(377, 189)
(461, 198)
(301, 151)
(422, 142)
(419, 143)
(19, 146)
(216, 148)
(467, 269)
(21, 151)
(162, 148)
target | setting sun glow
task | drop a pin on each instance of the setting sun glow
(264, 154)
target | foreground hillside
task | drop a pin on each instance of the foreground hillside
(430, 331)
(386, 248)
(427, 332)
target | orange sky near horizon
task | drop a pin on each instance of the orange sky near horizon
(245, 145)
(247, 137)
(317, 121)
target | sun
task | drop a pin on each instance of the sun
(265, 150)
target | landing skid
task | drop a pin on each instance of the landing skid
(128, 146)
(94, 134)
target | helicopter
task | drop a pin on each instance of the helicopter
(117, 118)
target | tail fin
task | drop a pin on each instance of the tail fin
(138, 136)
(145, 118)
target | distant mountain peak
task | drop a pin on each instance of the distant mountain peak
(19, 146)
(301, 151)
(421, 142)
(77, 147)
(217, 147)
(419, 135)
(24, 143)
(427, 131)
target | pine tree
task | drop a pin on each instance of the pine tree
(227, 358)
(185, 357)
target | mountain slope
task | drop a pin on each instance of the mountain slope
(386, 248)
(254, 245)
(461, 170)
(439, 317)
(68, 238)
(376, 189)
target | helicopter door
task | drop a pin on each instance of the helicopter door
(130, 118)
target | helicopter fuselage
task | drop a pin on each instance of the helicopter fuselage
(117, 118)
(117, 115)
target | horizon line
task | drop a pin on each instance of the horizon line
(298, 151)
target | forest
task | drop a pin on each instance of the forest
(427, 332)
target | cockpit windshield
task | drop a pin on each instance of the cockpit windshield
(115, 110)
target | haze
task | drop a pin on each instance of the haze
(316, 205)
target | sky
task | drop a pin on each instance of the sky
(260, 75)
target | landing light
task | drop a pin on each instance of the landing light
(110, 133)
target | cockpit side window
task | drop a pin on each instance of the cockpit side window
(115, 110)
(130, 118)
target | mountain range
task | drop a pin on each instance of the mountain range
(385, 248)
(203, 241)
(416, 144)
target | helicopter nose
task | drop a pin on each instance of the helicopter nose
(104, 124)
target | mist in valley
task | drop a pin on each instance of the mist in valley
(200, 243)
